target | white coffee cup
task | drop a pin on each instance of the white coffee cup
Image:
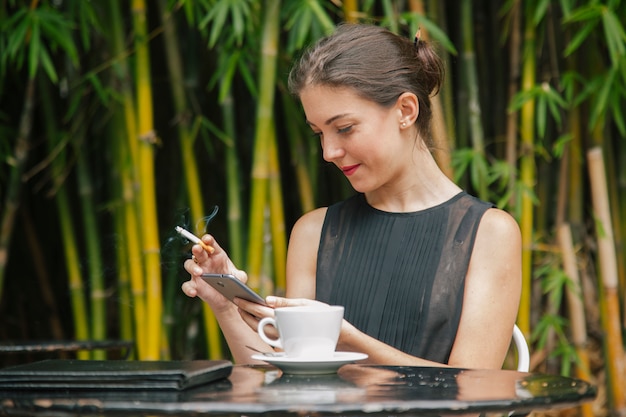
(305, 331)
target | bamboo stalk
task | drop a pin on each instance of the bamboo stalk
(441, 141)
(576, 309)
(469, 69)
(277, 219)
(127, 155)
(513, 117)
(189, 163)
(612, 176)
(80, 313)
(527, 169)
(609, 275)
(124, 285)
(72, 260)
(304, 170)
(233, 184)
(262, 141)
(123, 280)
(350, 11)
(95, 268)
(147, 139)
(437, 13)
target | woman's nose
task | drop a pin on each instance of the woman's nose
(331, 150)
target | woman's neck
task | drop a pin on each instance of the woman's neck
(422, 185)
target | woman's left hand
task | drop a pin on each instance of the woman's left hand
(252, 312)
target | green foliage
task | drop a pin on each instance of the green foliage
(30, 36)
(233, 14)
(306, 21)
(546, 98)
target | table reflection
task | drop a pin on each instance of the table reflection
(353, 390)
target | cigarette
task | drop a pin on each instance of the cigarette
(195, 239)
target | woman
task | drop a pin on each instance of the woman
(428, 275)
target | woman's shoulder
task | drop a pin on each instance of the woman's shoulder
(498, 227)
(310, 222)
(495, 218)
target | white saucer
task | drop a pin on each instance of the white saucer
(311, 366)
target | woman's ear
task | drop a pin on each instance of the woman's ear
(408, 109)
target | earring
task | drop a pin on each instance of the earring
(403, 124)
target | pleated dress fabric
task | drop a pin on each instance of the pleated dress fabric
(400, 276)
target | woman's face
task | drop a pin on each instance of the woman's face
(359, 136)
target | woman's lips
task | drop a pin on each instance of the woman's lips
(349, 169)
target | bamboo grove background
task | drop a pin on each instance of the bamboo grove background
(120, 120)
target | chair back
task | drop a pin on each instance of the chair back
(523, 354)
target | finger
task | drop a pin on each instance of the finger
(189, 289)
(208, 244)
(193, 267)
(254, 309)
(277, 302)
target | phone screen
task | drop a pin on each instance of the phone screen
(230, 287)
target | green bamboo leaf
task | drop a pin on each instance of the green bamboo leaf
(522, 97)
(600, 104)
(239, 19)
(614, 35)
(622, 70)
(217, 17)
(17, 27)
(305, 21)
(33, 51)
(479, 170)
(299, 27)
(239, 10)
(560, 144)
(390, 19)
(541, 115)
(618, 116)
(48, 66)
(555, 103)
(566, 7)
(461, 160)
(55, 30)
(585, 13)
(101, 92)
(500, 172)
(88, 21)
(579, 38)
(248, 78)
(324, 20)
(540, 11)
(570, 82)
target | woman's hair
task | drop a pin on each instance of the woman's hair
(374, 62)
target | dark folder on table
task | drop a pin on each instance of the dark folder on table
(113, 374)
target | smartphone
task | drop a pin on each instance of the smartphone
(230, 287)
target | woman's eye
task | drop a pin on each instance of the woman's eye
(344, 129)
(317, 134)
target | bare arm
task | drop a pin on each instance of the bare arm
(492, 293)
(302, 254)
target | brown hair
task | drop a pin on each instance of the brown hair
(376, 63)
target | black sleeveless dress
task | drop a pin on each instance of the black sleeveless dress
(400, 276)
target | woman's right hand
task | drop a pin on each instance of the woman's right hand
(202, 262)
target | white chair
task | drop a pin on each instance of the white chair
(523, 354)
